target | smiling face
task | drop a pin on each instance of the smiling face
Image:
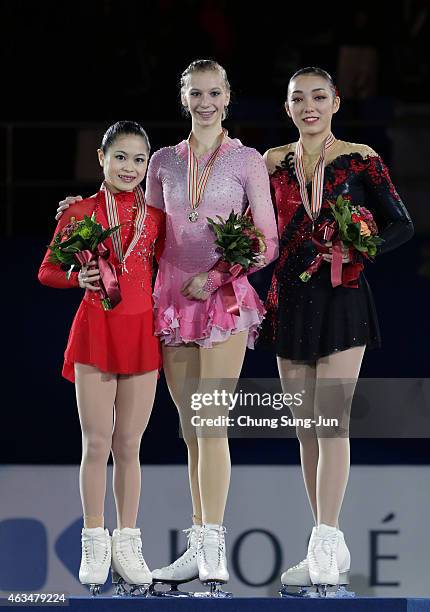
(311, 104)
(124, 163)
(205, 96)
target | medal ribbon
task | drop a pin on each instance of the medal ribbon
(196, 184)
(314, 208)
(113, 219)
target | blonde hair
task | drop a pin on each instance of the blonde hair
(204, 65)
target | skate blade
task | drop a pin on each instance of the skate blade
(95, 589)
(124, 589)
(173, 592)
(289, 590)
(214, 590)
(330, 591)
(318, 591)
(174, 583)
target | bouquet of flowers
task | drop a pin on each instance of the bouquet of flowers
(356, 227)
(241, 245)
(238, 241)
(81, 242)
(353, 227)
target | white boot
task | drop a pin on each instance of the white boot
(96, 557)
(298, 575)
(185, 567)
(328, 556)
(211, 559)
(127, 559)
(343, 559)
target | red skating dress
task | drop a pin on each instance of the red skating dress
(120, 340)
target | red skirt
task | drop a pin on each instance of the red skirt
(116, 343)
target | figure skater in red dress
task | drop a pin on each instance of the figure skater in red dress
(113, 358)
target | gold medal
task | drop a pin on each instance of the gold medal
(193, 216)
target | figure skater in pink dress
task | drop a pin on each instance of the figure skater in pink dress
(206, 175)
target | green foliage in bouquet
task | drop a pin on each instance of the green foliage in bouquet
(356, 227)
(75, 237)
(238, 240)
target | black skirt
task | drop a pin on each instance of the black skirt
(314, 319)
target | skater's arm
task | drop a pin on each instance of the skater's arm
(394, 223)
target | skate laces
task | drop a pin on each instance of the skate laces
(186, 557)
(189, 533)
(94, 548)
(327, 546)
(132, 544)
(213, 544)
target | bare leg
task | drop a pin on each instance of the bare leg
(334, 459)
(95, 394)
(133, 405)
(182, 364)
(220, 366)
(309, 452)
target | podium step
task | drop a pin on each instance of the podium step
(248, 604)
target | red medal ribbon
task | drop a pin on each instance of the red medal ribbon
(197, 184)
(312, 208)
(113, 219)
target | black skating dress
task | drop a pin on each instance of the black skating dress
(306, 321)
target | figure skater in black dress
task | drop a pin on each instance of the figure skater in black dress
(320, 332)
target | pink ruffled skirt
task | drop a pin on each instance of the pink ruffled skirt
(179, 320)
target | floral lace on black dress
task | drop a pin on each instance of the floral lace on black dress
(306, 321)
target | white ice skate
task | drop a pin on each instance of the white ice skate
(329, 560)
(211, 560)
(130, 574)
(96, 558)
(297, 576)
(296, 581)
(184, 569)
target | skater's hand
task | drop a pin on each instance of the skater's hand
(193, 287)
(345, 254)
(64, 205)
(88, 275)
